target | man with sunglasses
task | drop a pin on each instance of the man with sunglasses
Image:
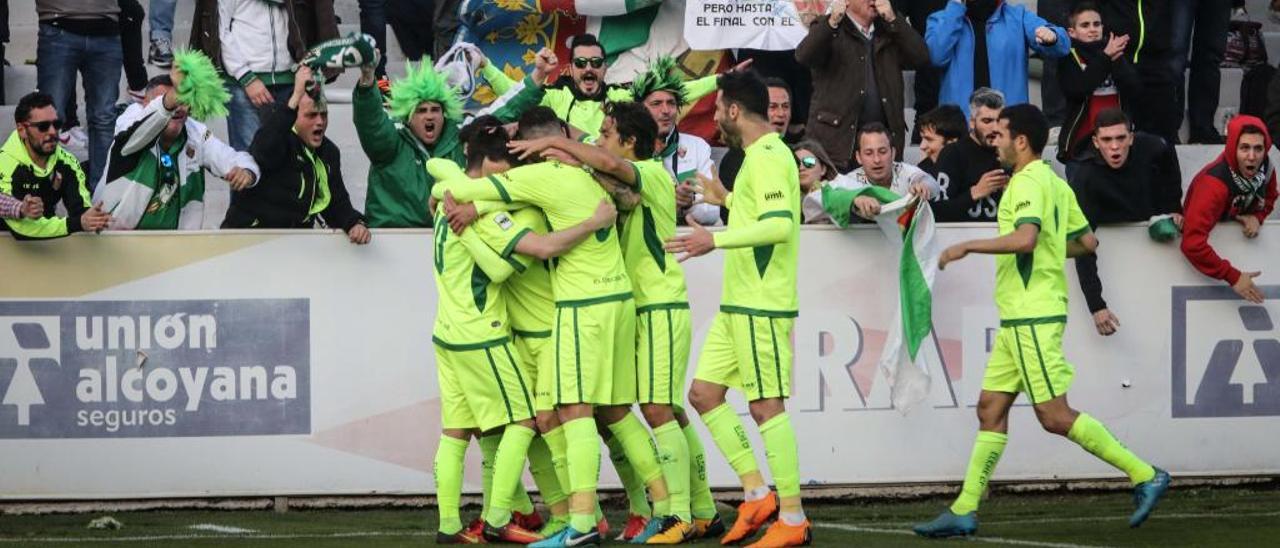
(33, 164)
(577, 97)
(155, 177)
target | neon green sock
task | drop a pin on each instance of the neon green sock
(643, 456)
(488, 453)
(557, 446)
(543, 469)
(450, 458)
(637, 500)
(583, 443)
(702, 504)
(512, 452)
(783, 455)
(731, 437)
(1095, 438)
(987, 448)
(673, 454)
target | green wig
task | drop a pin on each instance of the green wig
(423, 84)
(201, 89)
(662, 75)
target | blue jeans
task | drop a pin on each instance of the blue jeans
(161, 18)
(242, 116)
(1210, 19)
(98, 59)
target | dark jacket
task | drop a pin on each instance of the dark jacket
(837, 60)
(310, 21)
(1080, 73)
(1148, 184)
(960, 166)
(284, 195)
(1214, 197)
(1147, 22)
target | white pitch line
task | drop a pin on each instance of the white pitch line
(989, 540)
(1207, 515)
(224, 529)
(68, 540)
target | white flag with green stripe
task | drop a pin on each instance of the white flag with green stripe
(908, 223)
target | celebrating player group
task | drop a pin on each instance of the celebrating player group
(563, 307)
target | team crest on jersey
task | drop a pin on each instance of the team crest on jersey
(504, 221)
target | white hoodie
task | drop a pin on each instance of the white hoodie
(255, 38)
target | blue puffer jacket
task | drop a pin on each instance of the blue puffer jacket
(1010, 31)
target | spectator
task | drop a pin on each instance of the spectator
(1209, 19)
(161, 21)
(996, 58)
(1146, 23)
(878, 167)
(33, 164)
(373, 21)
(927, 77)
(82, 37)
(1241, 185)
(1056, 12)
(857, 55)
(423, 125)
(1124, 177)
(969, 172)
(684, 156)
(259, 43)
(135, 70)
(301, 171)
(816, 172)
(155, 178)
(1096, 76)
(938, 128)
(778, 116)
(784, 66)
(414, 25)
(31, 207)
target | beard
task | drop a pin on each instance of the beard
(730, 134)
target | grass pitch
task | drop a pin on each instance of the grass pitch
(1220, 516)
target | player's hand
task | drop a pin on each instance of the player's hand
(561, 156)
(696, 243)
(711, 189)
(866, 207)
(1115, 46)
(240, 178)
(460, 216)
(606, 214)
(920, 190)
(884, 9)
(952, 254)
(257, 93)
(95, 219)
(838, 8)
(990, 182)
(1046, 37)
(685, 194)
(359, 234)
(741, 66)
(32, 207)
(531, 147)
(1245, 288)
(1251, 225)
(1106, 322)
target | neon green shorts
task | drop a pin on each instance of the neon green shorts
(663, 337)
(1028, 358)
(534, 352)
(593, 353)
(748, 352)
(482, 388)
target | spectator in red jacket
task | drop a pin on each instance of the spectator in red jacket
(1239, 185)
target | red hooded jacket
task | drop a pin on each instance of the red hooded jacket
(1211, 198)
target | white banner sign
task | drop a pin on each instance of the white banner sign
(755, 24)
(267, 363)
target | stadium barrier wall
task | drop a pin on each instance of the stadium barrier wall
(138, 365)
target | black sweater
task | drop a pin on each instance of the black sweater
(1149, 183)
(960, 166)
(283, 196)
(1078, 84)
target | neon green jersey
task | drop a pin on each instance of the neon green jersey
(471, 310)
(530, 302)
(1032, 286)
(593, 270)
(761, 279)
(656, 275)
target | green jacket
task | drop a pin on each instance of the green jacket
(61, 180)
(580, 112)
(399, 184)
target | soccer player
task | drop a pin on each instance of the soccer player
(592, 339)
(749, 345)
(1040, 226)
(483, 386)
(625, 151)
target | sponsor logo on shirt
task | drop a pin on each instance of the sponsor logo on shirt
(775, 195)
